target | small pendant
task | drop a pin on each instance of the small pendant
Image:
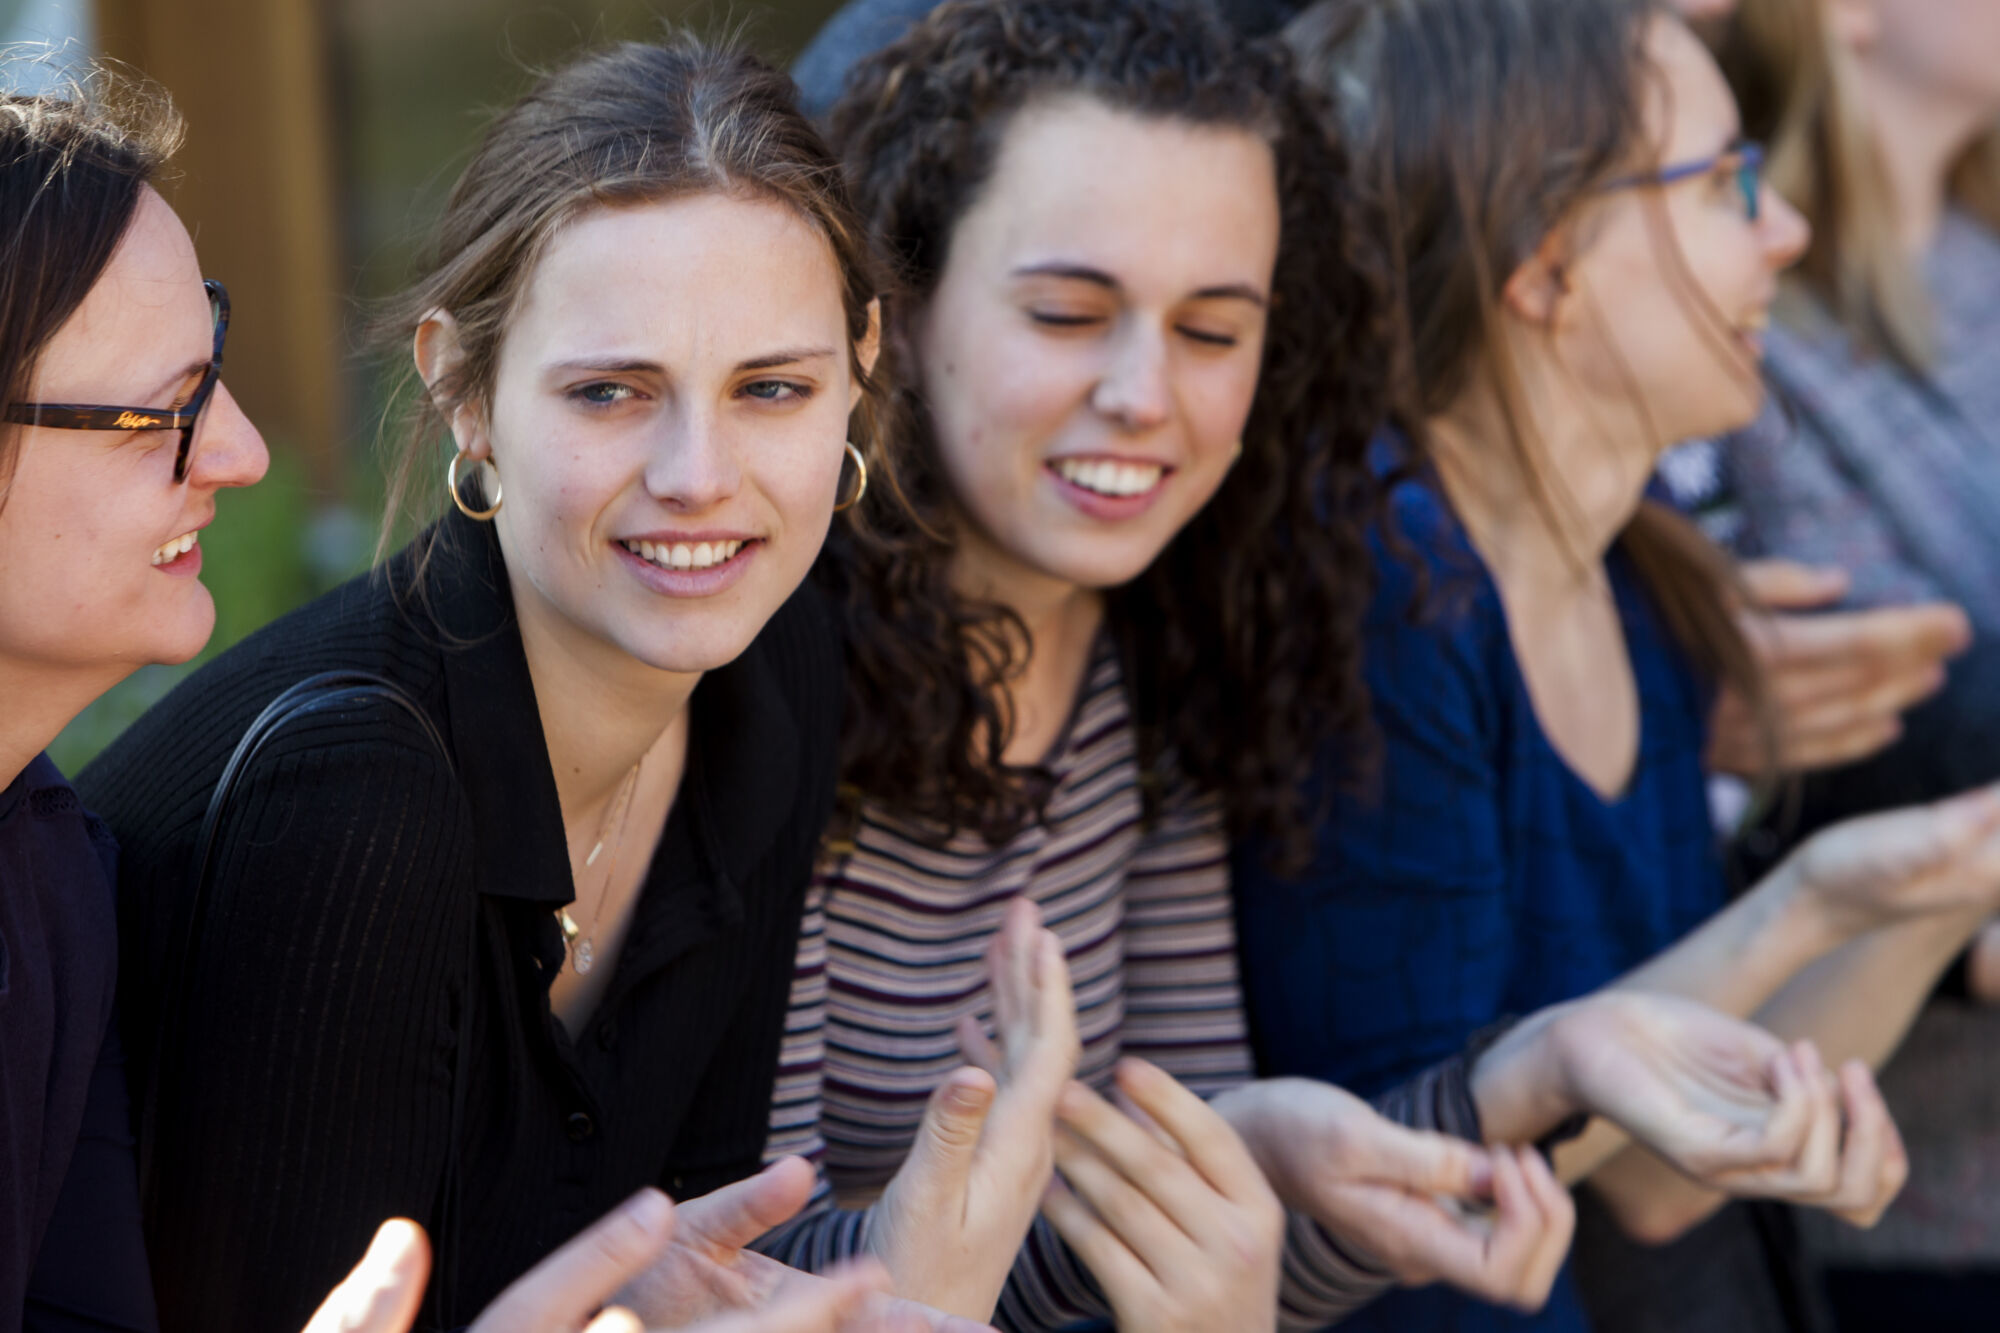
(585, 959)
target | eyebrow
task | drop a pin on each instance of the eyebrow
(1228, 291)
(638, 366)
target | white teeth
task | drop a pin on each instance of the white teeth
(1110, 478)
(175, 549)
(684, 555)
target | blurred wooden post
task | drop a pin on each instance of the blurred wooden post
(256, 187)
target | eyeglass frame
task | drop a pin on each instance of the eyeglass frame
(82, 416)
(1749, 173)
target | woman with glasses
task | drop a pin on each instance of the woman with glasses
(1587, 259)
(119, 438)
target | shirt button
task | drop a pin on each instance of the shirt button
(579, 1126)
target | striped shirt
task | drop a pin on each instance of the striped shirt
(891, 956)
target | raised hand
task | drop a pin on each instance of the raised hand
(1492, 1221)
(1165, 1205)
(1840, 680)
(952, 1220)
(1722, 1100)
(1939, 859)
(706, 1272)
(562, 1294)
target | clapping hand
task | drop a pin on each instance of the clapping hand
(953, 1219)
(567, 1291)
(1940, 859)
(1722, 1100)
(1494, 1222)
(1840, 680)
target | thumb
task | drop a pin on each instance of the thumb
(1423, 1162)
(940, 1162)
(1787, 585)
(733, 1216)
(382, 1293)
(562, 1291)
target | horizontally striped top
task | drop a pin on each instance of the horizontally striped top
(891, 955)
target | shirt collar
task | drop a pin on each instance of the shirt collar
(743, 764)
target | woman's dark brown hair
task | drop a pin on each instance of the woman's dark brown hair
(630, 124)
(1482, 125)
(1241, 643)
(74, 163)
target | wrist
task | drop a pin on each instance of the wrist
(1800, 916)
(1524, 1084)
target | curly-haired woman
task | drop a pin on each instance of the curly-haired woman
(1138, 419)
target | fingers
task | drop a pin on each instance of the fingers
(1108, 1258)
(1214, 1148)
(1181, 1191)
(383, 1292)
(1162, 1243)
(820, 1307)
(1534, 1219)
(1886, 635)
(1874, 1164)
(936, 1173)
(978, 1048)
(562, 1290)
(1034, 1008)
(733, 1216)
(1789, 585)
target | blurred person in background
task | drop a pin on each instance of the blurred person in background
(1879, 456)
(1587, 255)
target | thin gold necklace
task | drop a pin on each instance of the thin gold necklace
(580, 943)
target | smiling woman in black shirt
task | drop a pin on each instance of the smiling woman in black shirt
(502, 929)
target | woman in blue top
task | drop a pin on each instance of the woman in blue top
(1587, 259)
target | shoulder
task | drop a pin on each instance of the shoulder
(1435, 608)
(801, 647)
(155, 780)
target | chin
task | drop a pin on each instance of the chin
(186, 639)
(1099, 570)
(691, 653)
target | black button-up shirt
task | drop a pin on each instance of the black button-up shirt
(365, 1028)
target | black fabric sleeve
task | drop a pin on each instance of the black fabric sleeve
(307, 1069)
(91, 1274)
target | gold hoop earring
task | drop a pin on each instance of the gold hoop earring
(860, 470)
(451, 484)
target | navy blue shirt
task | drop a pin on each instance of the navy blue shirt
(1478, 875)
(71, 1254)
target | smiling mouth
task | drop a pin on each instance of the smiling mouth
(1108, 476)
(686, 555)
(176, 548)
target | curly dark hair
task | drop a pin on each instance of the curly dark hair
(1241, 643)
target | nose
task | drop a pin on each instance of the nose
(1134, 390)
(228, 450)
(1782, 229)
(693, 464)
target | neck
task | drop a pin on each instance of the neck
(41, 701)
(1061, 618)
(601, 709)
(1554, 535)
(1920, 134)
(1052, 608)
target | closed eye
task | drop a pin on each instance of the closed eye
(1205, 336)
(1058, 320)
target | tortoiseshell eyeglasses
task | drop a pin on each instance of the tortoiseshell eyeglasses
(79, 416)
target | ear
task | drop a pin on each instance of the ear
(1534, 292)
(440, 356)
(1855, 24)
(868, 350)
